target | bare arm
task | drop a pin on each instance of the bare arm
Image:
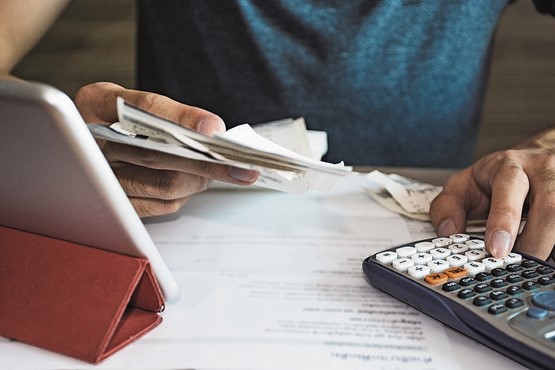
(22, 24)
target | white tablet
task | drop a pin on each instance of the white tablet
(55, 181)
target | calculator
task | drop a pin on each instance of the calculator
(508, 304)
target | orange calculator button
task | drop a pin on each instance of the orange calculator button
(436, 278)
(456, 272)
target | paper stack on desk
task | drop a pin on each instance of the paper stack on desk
(279, 168)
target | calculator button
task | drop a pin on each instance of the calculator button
(466, 293)
(458, 248)
(475, 255)
(450, 286)
(483, 276)
(544, 270)
(475, 244)
(514, 303)
(402, 264)
(514, 278)
(499, 272)
(496, 309)
(406, 251)
(529, 264)
(498, 295)
(435, 279)
(530, 274)
(457, 260)
(424, 246)
(459, 238)
(419, 271)
(442, 242)
(482, 288)
(514, 290)
(530, 285)
(512, 258)
(455, 272)
(498, 283)
(440, 253)
(545, 300)
(492, 263)
(421, 258)
(546, 280)
(438, 265)
(514, 267)
(474, 268)
(536, 313)
(481, 301)
(467, 281)
(386, 257)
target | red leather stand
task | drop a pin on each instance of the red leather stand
(80, 301)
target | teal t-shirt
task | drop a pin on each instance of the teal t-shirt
(393, 82)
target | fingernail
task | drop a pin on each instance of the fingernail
(243, 175)
(446, 228)
(500, 243)
(210, 126)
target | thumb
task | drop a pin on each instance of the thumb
(448, 214)
(448, 209)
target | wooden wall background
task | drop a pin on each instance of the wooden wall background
(94, 41)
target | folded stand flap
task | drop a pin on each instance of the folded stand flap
(73, 299)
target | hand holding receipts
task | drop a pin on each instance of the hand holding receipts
(279, 168)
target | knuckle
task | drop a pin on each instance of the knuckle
(158, 207)
(132, 185)
(546, 162)
(168, 184)
(510, 168)
(206, 169)
(150, 158)
(547, 177)
(85, 93)
(187, 117)
(174, 205)
(150, 101)
(144, 210)
(505, 214)
(173, 185)
(546, 208)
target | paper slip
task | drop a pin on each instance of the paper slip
(401, 195)
(279, 168)
(412, 199)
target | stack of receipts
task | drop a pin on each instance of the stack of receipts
(401, 194)
(279, 168)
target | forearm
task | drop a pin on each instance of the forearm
(22, 24)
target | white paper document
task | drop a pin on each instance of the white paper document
(274, 281)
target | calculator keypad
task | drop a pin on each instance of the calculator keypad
(508, 301)
(459, 265)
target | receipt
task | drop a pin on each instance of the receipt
(401, 194)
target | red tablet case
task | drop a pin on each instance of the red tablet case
(76, 300)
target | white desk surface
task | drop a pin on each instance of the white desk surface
(217, 215)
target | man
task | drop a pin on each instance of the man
(392, 82)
